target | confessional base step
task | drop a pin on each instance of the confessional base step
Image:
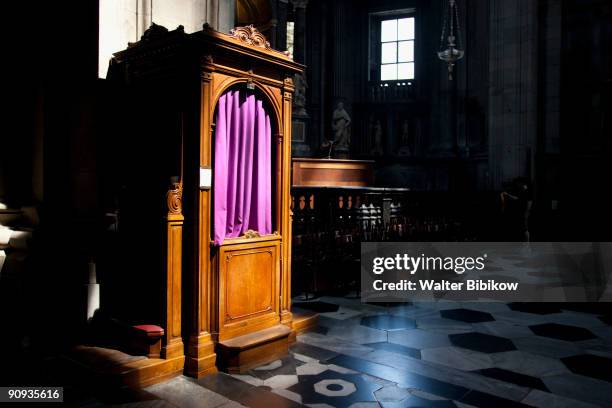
(303, 319)
(242, 353)
(114, 368)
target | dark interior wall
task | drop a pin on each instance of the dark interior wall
(69, 210)
(59, 152)
(473, 95)
(317, 51)
(502, 111)
(48, 159)
(65, 155)
(446, 121)
(573, 147)
(530, 99)
(585, 146)
(22, 112)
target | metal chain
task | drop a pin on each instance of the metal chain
(458, 29)
(451, 4)
(443, 30)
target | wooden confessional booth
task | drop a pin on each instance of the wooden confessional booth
(230, 310)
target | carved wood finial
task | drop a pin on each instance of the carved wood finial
(251, 36)
(174, 199)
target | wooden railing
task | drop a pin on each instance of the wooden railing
(329, 225)
(391, 91)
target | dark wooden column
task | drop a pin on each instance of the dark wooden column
(201, 355)
(285, 184)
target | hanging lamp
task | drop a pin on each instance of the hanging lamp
(450, 52)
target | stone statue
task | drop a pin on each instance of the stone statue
(299, 95)
(405, 141)
(341, 126)
(378, 149)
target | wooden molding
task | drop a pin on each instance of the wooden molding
(308, 172)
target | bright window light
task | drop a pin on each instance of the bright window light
(397, 49)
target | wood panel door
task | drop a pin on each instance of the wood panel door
(249, 283)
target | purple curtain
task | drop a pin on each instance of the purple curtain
(243, 167)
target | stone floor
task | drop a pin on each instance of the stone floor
(443, 354)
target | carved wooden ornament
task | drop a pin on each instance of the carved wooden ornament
(251, 234)
(174, 199)
(251, 36)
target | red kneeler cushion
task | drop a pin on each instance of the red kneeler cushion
(150, 330)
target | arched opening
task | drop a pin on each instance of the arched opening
(244, 165)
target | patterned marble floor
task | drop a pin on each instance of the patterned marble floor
(443, 354)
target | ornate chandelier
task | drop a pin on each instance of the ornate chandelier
(451, 52)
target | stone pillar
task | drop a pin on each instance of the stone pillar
(340, 71)
(300, 118)
(119, 22)
(552, 71)
(143, 17)
(512, 124)
(299, 42)
(317, 42)
(226, 19)
(273, 32)
(191, 14)
(338, 48)
(281, 25)
(461, 86)
(444, 93)
(473, 100)
(548, 188)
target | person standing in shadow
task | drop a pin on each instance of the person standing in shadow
(516, 201)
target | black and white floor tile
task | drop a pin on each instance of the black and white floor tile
(444, 354)
(449, 354)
